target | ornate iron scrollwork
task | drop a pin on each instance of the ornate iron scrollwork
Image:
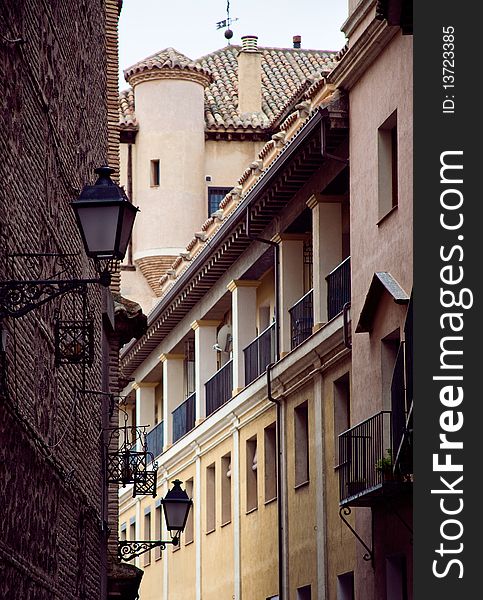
(127, 550)
(369, 555)
(128, 464)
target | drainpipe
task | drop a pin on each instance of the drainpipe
(281, 563)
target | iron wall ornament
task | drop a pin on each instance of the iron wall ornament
(128, 464)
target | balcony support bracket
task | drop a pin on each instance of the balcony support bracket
(344, 512)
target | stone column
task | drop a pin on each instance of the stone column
(327, 249)
(205, 361)
(145, 402)
(244, 325)
(291, 276)
(173, 379)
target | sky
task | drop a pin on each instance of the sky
(148, 26)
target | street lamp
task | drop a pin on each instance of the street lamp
(105, 218)
(176, 505)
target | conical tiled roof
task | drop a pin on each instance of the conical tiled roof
(167, 59)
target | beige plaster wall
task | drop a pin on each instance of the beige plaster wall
(217, 562)
(225, 161)
(171, 128)
(301, 502)
(258, 529)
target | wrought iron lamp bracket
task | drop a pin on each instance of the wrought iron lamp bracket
(369, 555)
(127, 550)
(17, 298)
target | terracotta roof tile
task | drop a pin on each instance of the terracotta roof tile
(127, 118)
(286, 73)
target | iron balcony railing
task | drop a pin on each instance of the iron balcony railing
(184, 417)
(155, 439)
(259, 354)
(301, 319)
(365, 457)
(218, 389)
(338, 288)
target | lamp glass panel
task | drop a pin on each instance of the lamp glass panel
(99, 224)
(175, 514)
(129, 214)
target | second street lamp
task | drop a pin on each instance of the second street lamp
(176, 506)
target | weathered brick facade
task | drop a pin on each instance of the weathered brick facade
(58, 81)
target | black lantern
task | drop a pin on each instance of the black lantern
(105, 217)
(176, 505)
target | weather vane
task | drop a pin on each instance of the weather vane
(227, 22)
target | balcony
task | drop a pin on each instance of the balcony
(184, 417)
(219, 388)
(301, 319)
(366, 470)
(155, 439)
(338, 288)
(259, 354)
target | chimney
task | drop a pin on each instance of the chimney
(297, 41)
(249, 76)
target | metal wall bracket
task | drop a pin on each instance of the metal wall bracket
(369, 555)
(127, 550)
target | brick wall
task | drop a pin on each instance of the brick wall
(56, 107)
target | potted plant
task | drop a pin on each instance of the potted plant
(384, 466)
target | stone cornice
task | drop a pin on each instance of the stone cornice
(204, 323)
(175, 74)
(171, 356)
(362, 54)
(138, 385)
(356, 18)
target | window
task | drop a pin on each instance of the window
(226, 489)
(270, 462)
(155, 173)
(158, 531)
(147, 535)
(396, 588)
(210, 498)
(252, 478)
(345, 586)
(123, 534)
(189, 366)
(304, 593)
(389, 349)
(301, 426)
(387, 165)
(189, 529)
(215, 196)
(341, 410)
